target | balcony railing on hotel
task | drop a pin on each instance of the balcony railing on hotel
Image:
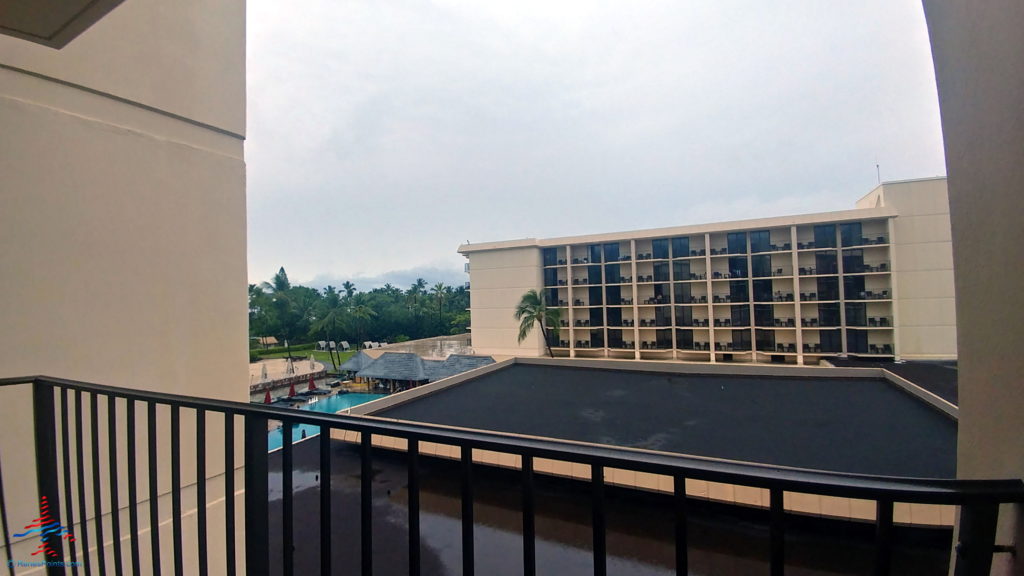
(63, 401)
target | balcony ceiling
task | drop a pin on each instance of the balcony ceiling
(51, 23)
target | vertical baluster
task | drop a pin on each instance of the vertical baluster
(154, 487)
(133, 491)
(201, 489)
(366, 503)
(529, 524)
(257, 529)
(679, 497)
(115, 508)
(44, 416)
(777, 532)
(598, 512)
(69, 505)
(229, 492)
(883, 537)
(80, 465)
(413, 453)
(287, 508)
(468, 560)
(97, 486)
(179, 565)
(325, 500)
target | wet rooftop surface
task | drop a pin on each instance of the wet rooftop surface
(939, 378)
(725, 541)
(865, 426)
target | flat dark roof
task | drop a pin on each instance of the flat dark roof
(865, 426)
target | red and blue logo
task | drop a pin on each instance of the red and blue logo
(46, 528)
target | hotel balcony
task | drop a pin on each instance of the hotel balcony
(97, 447)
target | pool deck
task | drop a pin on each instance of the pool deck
(856, 425)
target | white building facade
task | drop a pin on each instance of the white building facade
(872, 282)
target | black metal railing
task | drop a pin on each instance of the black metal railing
(978, 500)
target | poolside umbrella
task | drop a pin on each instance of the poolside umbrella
(312, 386)
(266, 399)
(312, 364)
(291, 390)
(263, 373)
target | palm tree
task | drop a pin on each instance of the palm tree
(439, 291)
(360, 314)
(532, 309)
(349, 289)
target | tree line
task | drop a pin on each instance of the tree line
(295, 313)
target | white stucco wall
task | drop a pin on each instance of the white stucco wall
(122, 219)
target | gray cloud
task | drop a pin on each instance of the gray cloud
(384, 134)
(401, 278)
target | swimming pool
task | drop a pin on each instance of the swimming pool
(329, 404)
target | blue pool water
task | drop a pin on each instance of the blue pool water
(329, 404)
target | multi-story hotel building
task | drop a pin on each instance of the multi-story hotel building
(875, 281)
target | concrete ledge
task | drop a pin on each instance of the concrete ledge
(707, 368)
(920, 393)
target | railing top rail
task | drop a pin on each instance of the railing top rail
(913, 490)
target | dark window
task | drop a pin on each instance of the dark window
(661, 272)
(825, 236)
(663, 338)
(762, 290)
(551, 296)
(614, 316)
(614, 295)
(764, 315)
(681, 270)
(684, 339)
(856, 314)
(765, 340)
(761, 266)
(739, 315)
(550, 256)
(737, 242)
(661, 293)
(659, 248)
(681, 293)
(663, 316)
(853, 288)
(684, 316)
(826, 263)
(741, 340)
(828, 314)
(831, 340)
(597, 316)
(857, 341)
(594, 274)
(760, 241)
(595, 296)
(597, 338)
(550, 277)
(739, 292)
(611, 252)
(611, 274)
(681, 247)
(851, 234)
(738, 266)
(595, 253)
(853, 261)
(614, 338)
(828, 289)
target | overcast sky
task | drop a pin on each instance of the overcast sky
(381, 135)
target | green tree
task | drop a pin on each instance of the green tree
(532, 309)
(439, 291)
